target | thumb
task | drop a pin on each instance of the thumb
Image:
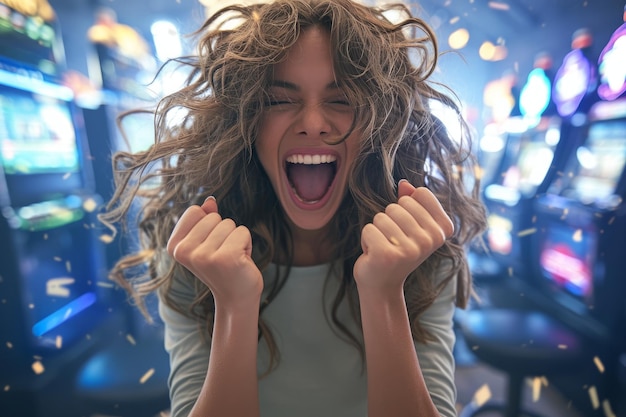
(405, 188)
(209, 205)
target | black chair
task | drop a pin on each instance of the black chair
(126, 377)
(522, 344)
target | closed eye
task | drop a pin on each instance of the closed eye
(277, 102)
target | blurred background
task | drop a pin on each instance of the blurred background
(541, 83)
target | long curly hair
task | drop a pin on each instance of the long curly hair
(204, 145)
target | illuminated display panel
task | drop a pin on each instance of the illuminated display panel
(37, 133)
(597, 165)
(528, 157)
(567, 259)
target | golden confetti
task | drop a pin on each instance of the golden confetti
(57, 258)
(10, 345)
(58, 342)
(106, 238)
(563, 347)
(578, 236)
(606, 407)
(593, 395)
(68, 266)
(38, 368)
(146, 376)
(104, 284)
(536, 389)
(394, 241)
(482, 395)
(131, 339)
(498, 5)
(90, 205)
(599, 364)
(527, 232)
(454, 20)
(6, 388)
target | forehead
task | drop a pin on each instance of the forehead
(311, 52)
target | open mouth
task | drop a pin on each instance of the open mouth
(311, 175)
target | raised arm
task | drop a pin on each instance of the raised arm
(394, 244)
(218, 252)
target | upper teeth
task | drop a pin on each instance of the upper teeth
(311, 159)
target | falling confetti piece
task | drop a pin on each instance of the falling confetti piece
(578, 236)
(58, 342)
(536, 389)
(562, 346)
(599, 364)
(593, 395)
(606, 407)
(10, 345)
(57, 258)
(565, 213)
(527, 232)
(6, 388)
(90, 205)
(104, 284)
(68, 266)
(38, 368)
(67, 175)
(146, 376)
(498, 6)
(482, 395)
(106, 238)
(131, 339)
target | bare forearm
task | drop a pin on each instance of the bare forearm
(230, 387)
(395, 383)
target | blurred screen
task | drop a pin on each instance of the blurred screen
(596, 166)
(567, 258)
(528, 157)
(37, 134)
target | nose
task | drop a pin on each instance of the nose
(313, 121)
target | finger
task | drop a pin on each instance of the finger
(219, 234)
(210, 205)
(405, 188)
(428, 200)
(371, 238)
(389, 227)
(425, 224)
(187, 221)
(239, 238)
(196, 236)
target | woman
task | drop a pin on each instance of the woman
(306, 233)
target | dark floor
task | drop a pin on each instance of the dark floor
(479, 383)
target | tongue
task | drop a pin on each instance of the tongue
(310, 181)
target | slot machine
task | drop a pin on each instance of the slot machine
(53, 286)
(532, 151)
(577, 251)
(579, 247)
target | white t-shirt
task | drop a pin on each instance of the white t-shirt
(319, 374)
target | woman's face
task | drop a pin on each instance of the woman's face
(306, 107)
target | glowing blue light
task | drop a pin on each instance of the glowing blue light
(63, 314)
(536, 93)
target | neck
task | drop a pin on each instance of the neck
(311, 247)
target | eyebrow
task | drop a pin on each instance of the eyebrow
(333, 85)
